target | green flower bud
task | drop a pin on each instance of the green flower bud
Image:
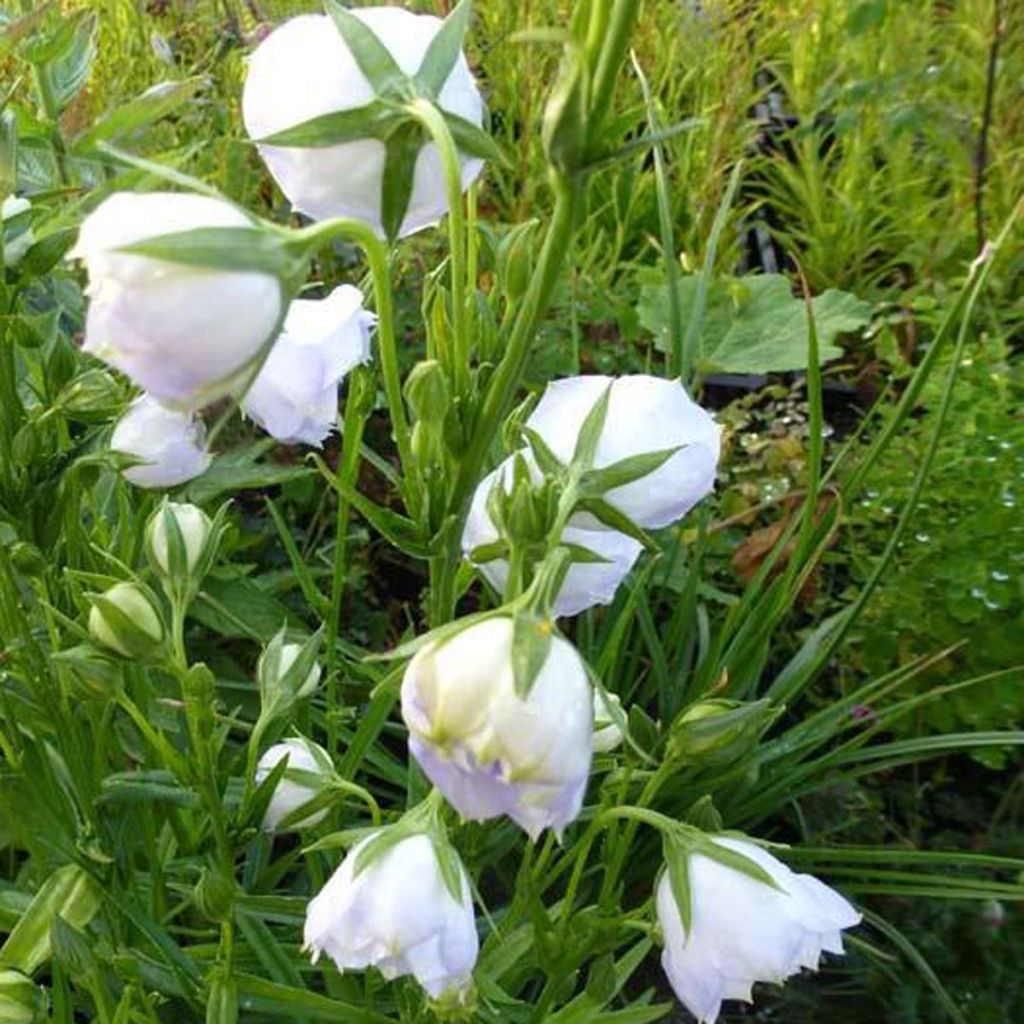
(719, 732)
(28, 559)
(176, 539)
(213, 894)
(94, 675)
(125, 620)
(427, 392)
(21, 1002)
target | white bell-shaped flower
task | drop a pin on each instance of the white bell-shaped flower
(586, 584)
(169, 442)
(645, 414)
(398, 915)
(304, 69)
(290, 794)
(743, 930)
(489, 751)
(295, 395)
(184, 333)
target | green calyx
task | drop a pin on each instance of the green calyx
(395, 117)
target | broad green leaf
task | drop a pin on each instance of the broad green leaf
(754, 324)
(14, 31)
(155, 103)
(70, 893)
(373, 58)
(376, 120)
(69, 71)
(443, 52)
(403, 149)
(241, 470)
(233, 605)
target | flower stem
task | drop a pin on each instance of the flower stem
(433, 120)
(356, 414)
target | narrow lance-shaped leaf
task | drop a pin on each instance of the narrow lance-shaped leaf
(531, 643)
(677, 860)
(372, 56)
(626, 471)
(444, 49)
(730, 858)
(245, 249)
(403, 148)
(583, 555)
(474, 141)
(608, 515)
(546, 458)
(376, 120)
(449, 865)
(590, 432)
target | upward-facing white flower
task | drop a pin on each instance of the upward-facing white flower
(182, 332)
(586, 583)
(295, 395)
(397, 914)
(645, 414)
(743, 930)
(304, 69)
(488, 750)
(169, 443)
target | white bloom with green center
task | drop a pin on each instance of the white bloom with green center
(743, 930)
(295, 396)
(490, 751)
(183, 333)
(169, 444)
(397, 914)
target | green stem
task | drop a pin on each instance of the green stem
(356, 413)
(503, 387)
(431, 118)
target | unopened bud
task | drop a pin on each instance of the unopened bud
(277, 670)
(427, 392)
(717, 732)
(21, 1001)
(176, 538)
(124, 619)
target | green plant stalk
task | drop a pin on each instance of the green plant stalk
(49, 102)
(668, 241)
(502, 389)
(356, 414)
(378, 259)
(431, 118)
